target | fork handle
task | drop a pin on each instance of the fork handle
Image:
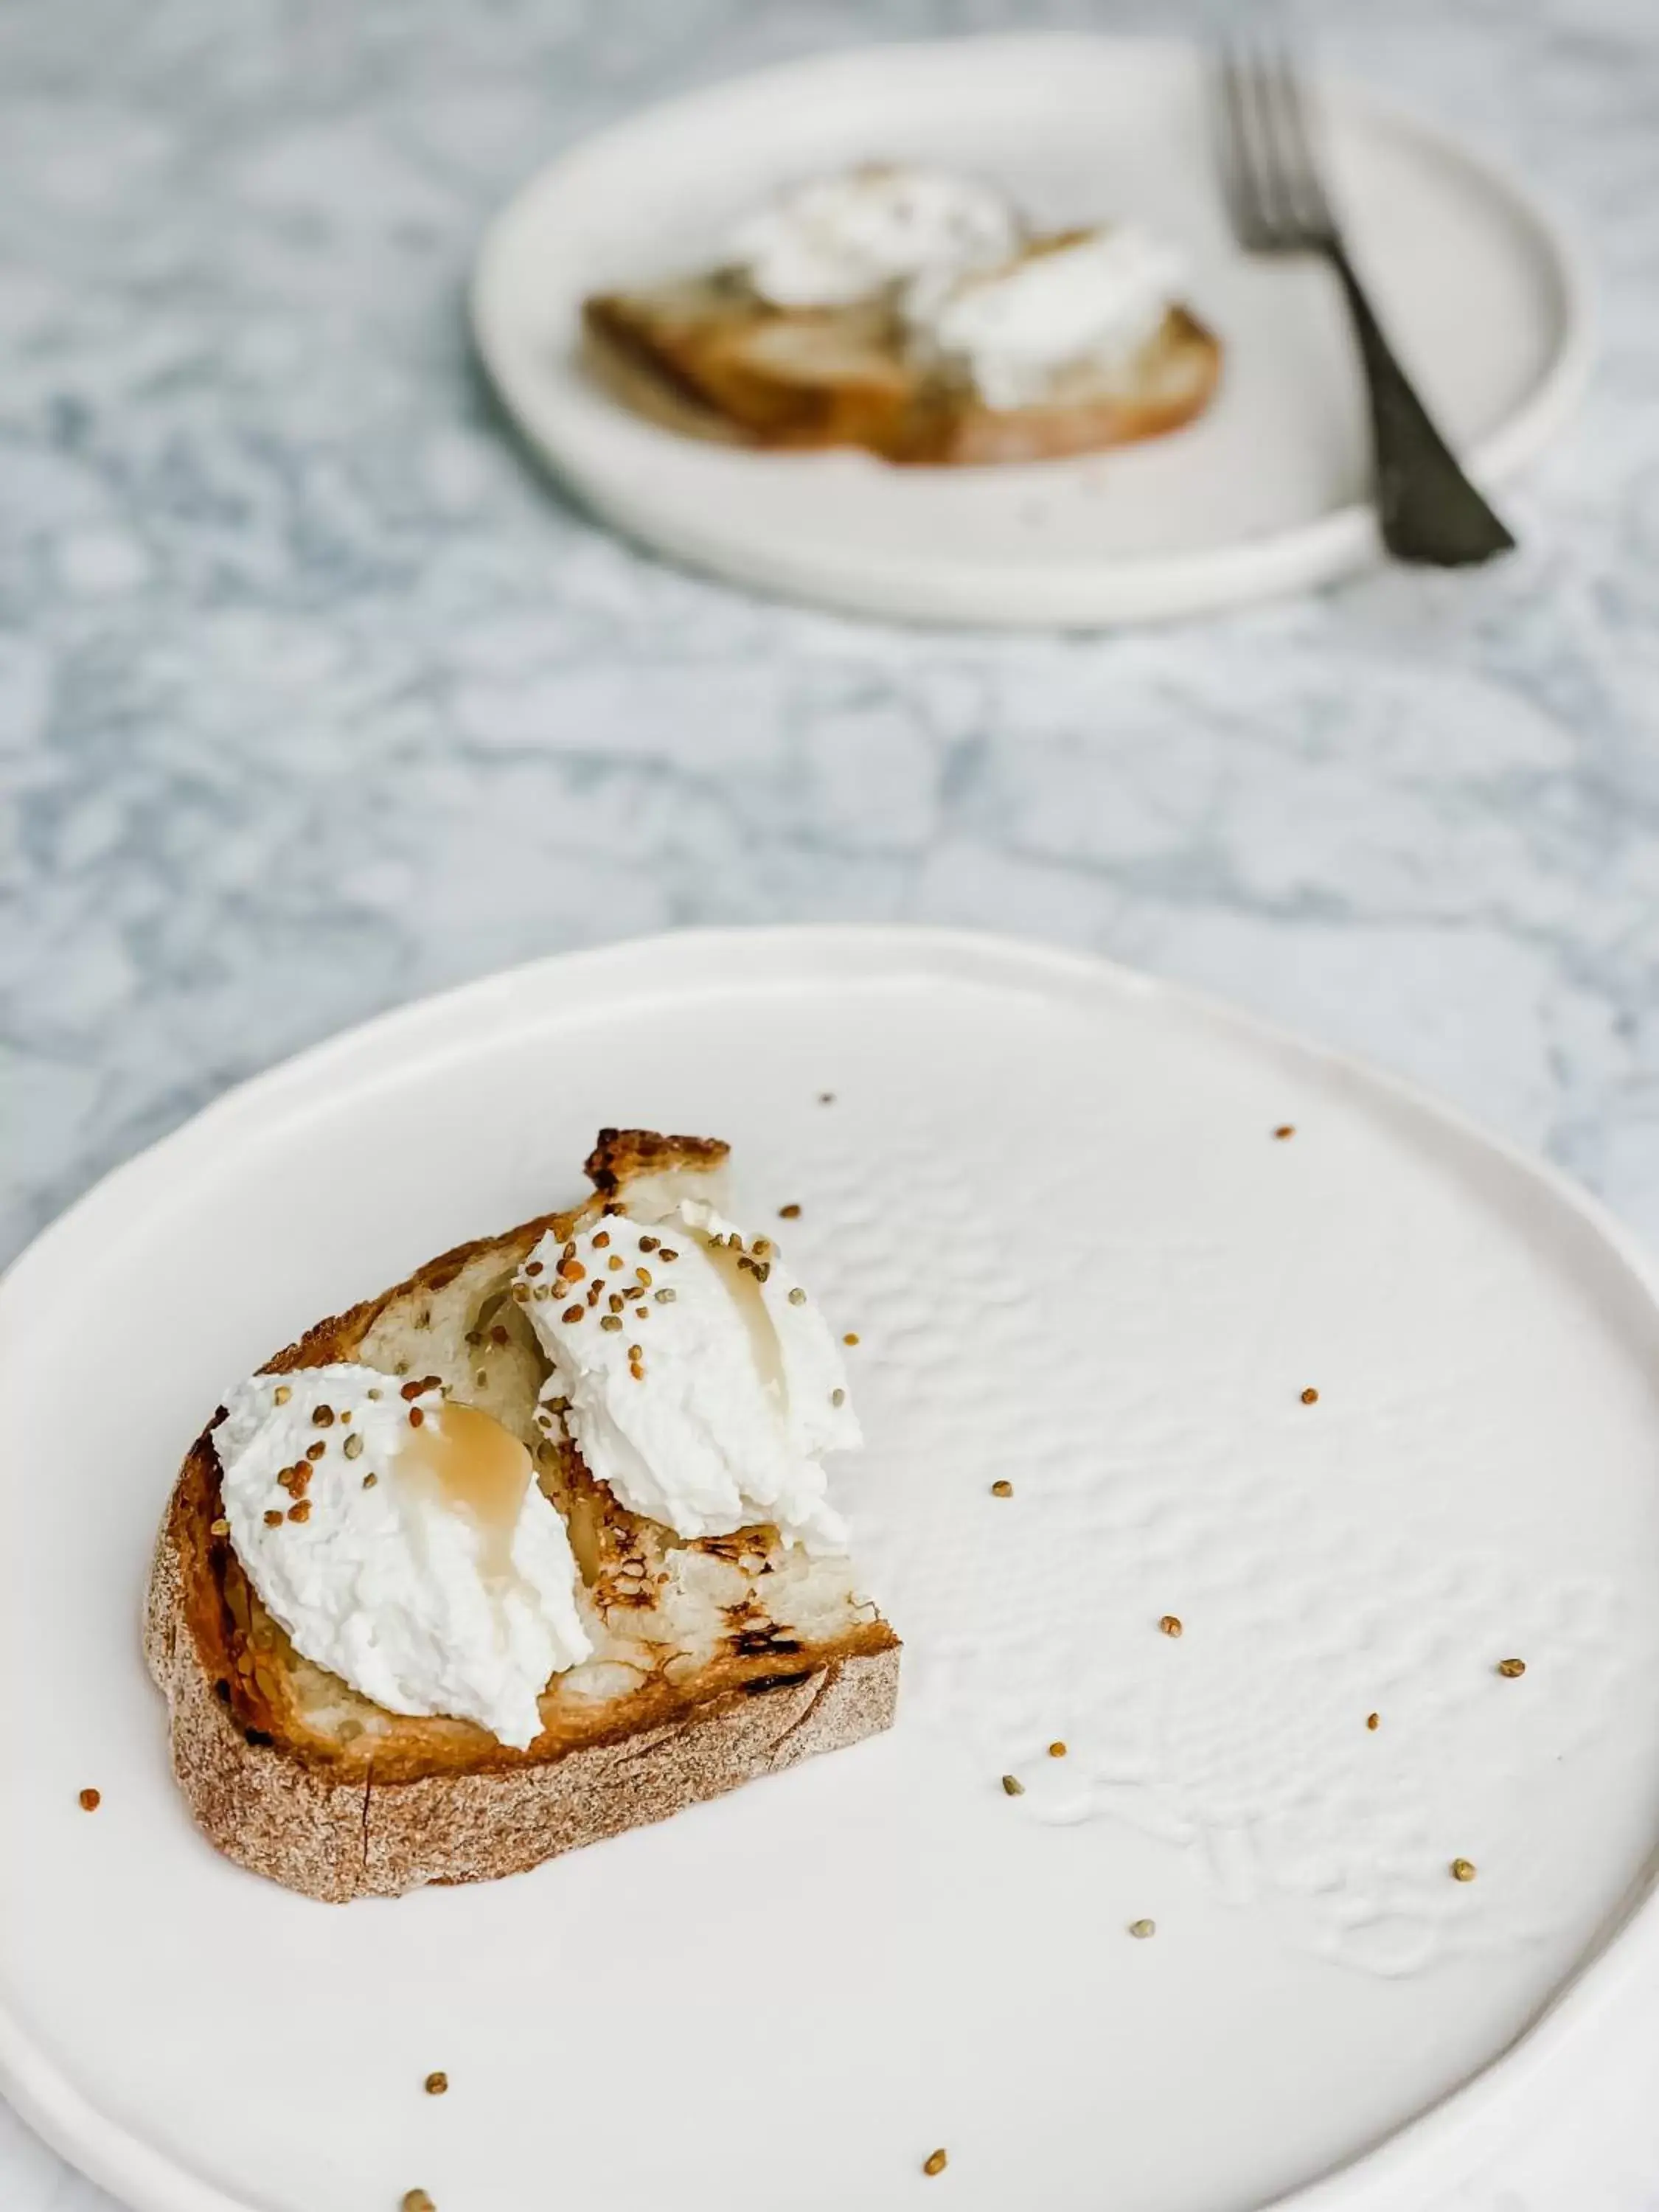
(1429, 510)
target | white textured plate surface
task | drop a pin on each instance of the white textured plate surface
(1262, 495)
(1046, 1196)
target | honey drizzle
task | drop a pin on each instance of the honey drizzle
(477, 1467)
(745, 1292)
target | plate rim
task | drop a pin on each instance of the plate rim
(1070, 595)
(1468, 2117)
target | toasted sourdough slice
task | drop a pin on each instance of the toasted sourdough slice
(806, 377)
(714, 1661)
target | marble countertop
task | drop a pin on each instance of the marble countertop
(313, 695)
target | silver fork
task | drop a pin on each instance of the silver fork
(1428, 509)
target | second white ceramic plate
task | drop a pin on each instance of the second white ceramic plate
(1265, 494)
(1047, 1198)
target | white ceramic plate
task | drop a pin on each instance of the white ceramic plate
(1264, 495)
(1046, 1196)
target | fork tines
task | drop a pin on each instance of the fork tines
(1275, 195)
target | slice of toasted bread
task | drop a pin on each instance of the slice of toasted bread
(786, 377)
(814, 377)
(714, 1661)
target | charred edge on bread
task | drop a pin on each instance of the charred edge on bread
(621, 1591)
(620, 1154)
(758, 1685)
(740, 1545)
(763, 1642)
(236, 1599)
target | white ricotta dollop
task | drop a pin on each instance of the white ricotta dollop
(703, 1384)
(1090, 303)
(423, 1601)
(846, 237)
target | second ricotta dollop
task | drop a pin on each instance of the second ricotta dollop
(700, 1384)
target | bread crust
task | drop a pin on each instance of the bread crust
(442, 1801)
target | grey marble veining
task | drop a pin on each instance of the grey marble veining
(313, 695)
